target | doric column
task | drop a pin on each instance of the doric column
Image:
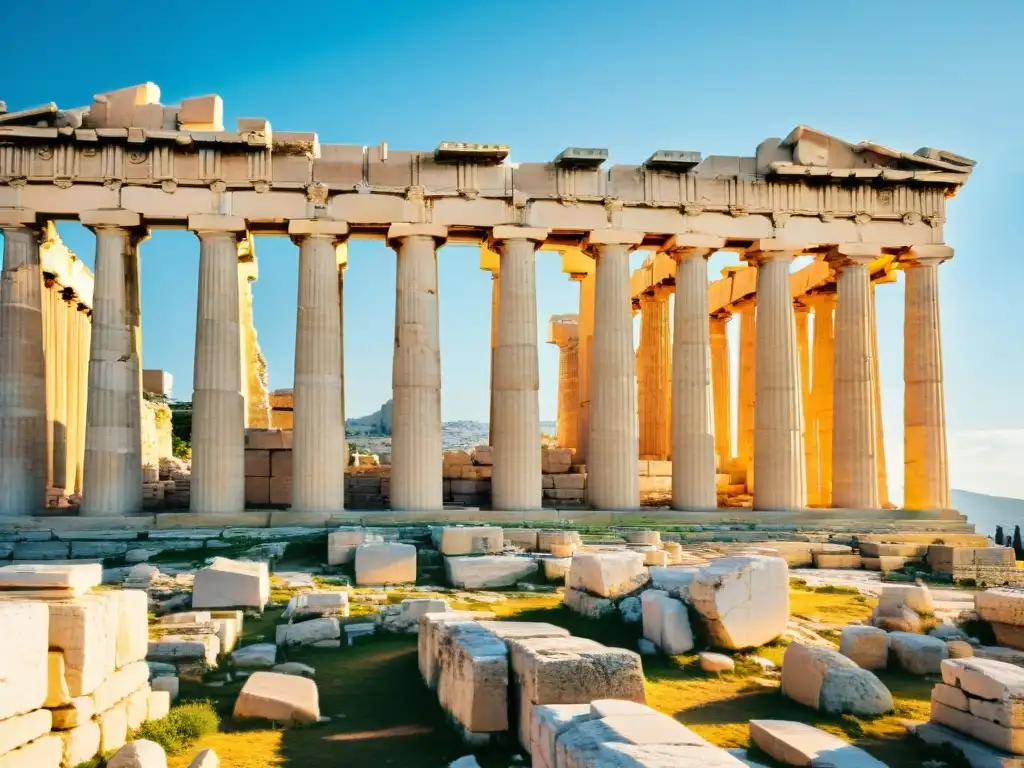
(254, 370)
(495, 299)
(693, 432)
(516, 476)
(778, 418)
(84, 321)
(612, 480)
(653, 379)
(49, 353)
(588, 283)
(112, 483)
(883, 474)
(319, 448)
(803, 312)
(218, 409)
(746, 390)
(822, 358)
(926, 469)
(416, 447)
(721, 386)
(855, 479)
(72, 416)
(564, 333)
(342, 253)
(22, 377)
(60, 390)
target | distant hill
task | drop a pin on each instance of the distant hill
(986, 512)
(377, 424)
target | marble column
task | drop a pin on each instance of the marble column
(613, 453)
(84, 321)
(516, 475)
(926, 468)
(721, 386)
(22, 376)
(803, 312)
(416, 442)
(653, 378)
(318, 453)
(49, 352)
(822, 361)
(71, 378)
(218, 408)
(568, 388)
(112, 483)
(495, 290)
(341, 252)
(745, 409)
(60, 390)
(778, 418)
(855, 477)
(883, 474)
(588, 283)
(693, 431)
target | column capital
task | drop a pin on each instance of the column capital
(771, 249)
(110, 218)
(402, 230)
(629, 237)
(924, 256)
(691, 245)
(852, 254)
(17, 217)
(299, 229)
(516, 232)
(206, 223)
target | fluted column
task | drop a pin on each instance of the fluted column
(495, 299)
(516, 475)
(693, 431)
(568, 392)
(803, 312)
(318, 452)
(653, 377)
(746, 390)
(883, 473)
(926, 468)
(612, 480)
(22, 376)
(218, 409)
(588, 283)
(49, 352)
(60, 388)
(721, 386)
(855, 477)
(84, 345)
(342, 252)
(823, 356)
(778, 418)
(416, 443)
(71, 381)
(112, 482)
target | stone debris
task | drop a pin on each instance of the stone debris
(317, 604)
(405, 617)
(488, 571)
(799, 744)
(256, 656)
(982, 699)
(715, 662)
(607, 574)
(139, 754)
(388, 563)
(1004, 609)
(918, 654)
(806, 672)
(666, 622)
(342, 544)
(308, 632)
(470, 540)
(867, 647)
(974, 752)
(207, 758)
(901, 607)
(279, 698)
(231, 584)
(744, 601)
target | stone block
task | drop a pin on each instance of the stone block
(45, 752)
(666, 622)
(471, 540)
(488, 571)
(556, 568)
(918, 654)
(855, 692)
(985, 678)
(470, 487)
(257, 463)
(1010, 635)
(175, 649)
(645, 537)
(139, 754)
(230, 584)
(405, 617)
(804, 669)
(120, 685)
(137, 707)
(607, 574)
(570, 670)
(281, 464)
(81, 550)
(80, 744)
(388, 563)
(674, 580)
(227, 631)
(257, 490)
(202, 113)
(268, 439)
(277, 697)
(317, 604)
(951, 697)
(1002, 605)
(916, 598)
(341, 544)
(481, 455)
(1008, 712)
(881, 549)
(256, 656)
(474, 472)
(569, 482)
(715, 662)
(837, 561)
(57, 692)
(41, 550)
(1007, 739)
(308, 632)
(545, 539)
(431, 630)
(77, 712)
(743, 601)
(168, 684)
(554, 461)
(549, 722)
(523, 538)
(976, 754)
(473, 685)
(113, 727)
(21, 729)
(867, 647)
(280, 490)
(645, 738)
(132, 626)
(793, 743)
(86, 631)
(586, 604)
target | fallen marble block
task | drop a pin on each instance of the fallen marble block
(45, 752)
(488, 571)
(799, 744)
(24, 661)
(806, 673)
(341, 544)
(666, 622)
(280, 698)
(317, 604)
(256, 656)
(473, 685)
(743, 601)
(975, 753)
(867, 647)
(139, 754)
(70, 580)
(231, 584)
(389, 563)
(470, 540)
(607, 574)
(308, 632)
(586, 604)
(405, 617)
(431, 630)
(918, 654)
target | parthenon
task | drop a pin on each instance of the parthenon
(809, 429)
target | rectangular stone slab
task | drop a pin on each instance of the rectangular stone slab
(23, 658)
(74, 579)
(473, 686)
(44, 752)
(85, 629)
(985, 679)
(80, 744)
(77, 712)
(977, 754)
(1007, 739)
(21, 729)
(800, 744)
(132, 626)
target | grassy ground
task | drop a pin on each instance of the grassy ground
(381, 714)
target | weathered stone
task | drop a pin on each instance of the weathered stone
(959, 649)
(1002, 605)
(21, 729)
(57, 694)
(985, 679)
(207, 758)
(139, 754)
(855, 692)
(1010, 635)
(488, 571)
(804, 669)
(607, 574)
(523, 538)
(867, 646)
(951, 697)
(137, 707)
(308, 632)
(675, 581)
(432, 626)
(666, 622)
(76, 579)
(80, 744)
(473, 686)
(204, 648)
(406, 616)
(715, 662)
(77, 712)
(1007, 739)
(113, 727)
(158, 705)
(556, 568)
(86, 631)
(631, 610)
(44, 752)
(549, 722)
(388, 563)
(976, 754)
(545, 539)
(256, 656)
(470, 540)
(317, 604)
(918, 654)
(341, 544)
(917, 598)
(120, 685)
(132, 626)
(586, 604)
(231, 584)
(744, 601)
(281, 698)
(800, 744)
(836, 560)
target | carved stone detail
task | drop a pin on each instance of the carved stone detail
(911, 218)
(317, 194)
(218, 186)
(168, 185)
(261, 186)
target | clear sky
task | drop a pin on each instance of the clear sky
(539, 76)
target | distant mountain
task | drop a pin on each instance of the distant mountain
(986, 512)
(377, 424)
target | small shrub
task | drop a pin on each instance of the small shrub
(183, 726)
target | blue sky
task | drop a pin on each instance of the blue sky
(540, 76)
